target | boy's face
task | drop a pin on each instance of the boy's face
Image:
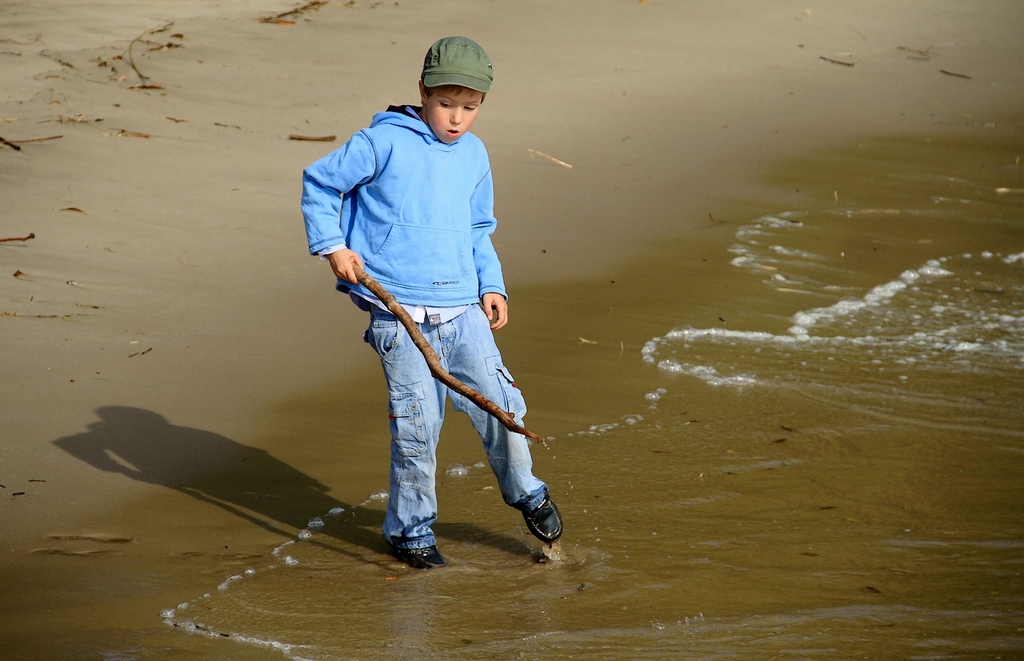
(450, 114)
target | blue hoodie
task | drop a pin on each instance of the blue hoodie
(418, 211)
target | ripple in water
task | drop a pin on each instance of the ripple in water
(952, 319)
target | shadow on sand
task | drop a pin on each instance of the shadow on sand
(246, 481)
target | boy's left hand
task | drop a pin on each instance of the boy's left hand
(496, 309)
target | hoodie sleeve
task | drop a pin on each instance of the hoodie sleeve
(485, 258)
(326, 182)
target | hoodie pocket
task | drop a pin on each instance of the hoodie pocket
(425, 258)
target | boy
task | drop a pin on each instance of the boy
(412, 196)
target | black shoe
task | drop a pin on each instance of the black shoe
(427, 557)
(544, 522)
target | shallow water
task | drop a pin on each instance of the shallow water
(832, 469)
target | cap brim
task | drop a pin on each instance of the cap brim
(462, 80)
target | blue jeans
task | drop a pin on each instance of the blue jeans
(416, 410)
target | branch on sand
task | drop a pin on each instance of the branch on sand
(14, 144)
(954, 74)
(534, 152)
(840, 62)
(313, 138)
(20, 238)
(434, 361)
(313, 4)
(131, 60)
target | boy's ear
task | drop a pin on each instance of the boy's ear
(423, 94)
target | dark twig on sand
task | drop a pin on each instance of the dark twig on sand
(955, 74)
(434, 361)
(314, 138)
(829, 59)
(14, 144)
(20, 238)
(916, 53)
(50, 137)
(313, 4)
(131, 60)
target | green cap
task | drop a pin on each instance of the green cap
(457, 61)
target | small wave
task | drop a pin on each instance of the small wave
(935, 316)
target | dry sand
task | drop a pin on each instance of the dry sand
(168, 275)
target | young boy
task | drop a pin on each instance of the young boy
(410, 199)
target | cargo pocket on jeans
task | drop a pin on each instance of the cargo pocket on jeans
(514, 402)
(408, 432)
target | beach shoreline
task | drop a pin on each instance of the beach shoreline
(167, 286)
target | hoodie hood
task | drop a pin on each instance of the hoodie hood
(406, 117)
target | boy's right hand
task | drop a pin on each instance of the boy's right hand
(343, 264)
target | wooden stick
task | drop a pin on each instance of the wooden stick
(534, 152)
(313, 138)
(20, 238)
(313, 4)
(131, 60)
(917, 53)
(829, 59)
(954, 74)
(434, 361)
(15, 143)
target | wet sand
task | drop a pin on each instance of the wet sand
(167, 326)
